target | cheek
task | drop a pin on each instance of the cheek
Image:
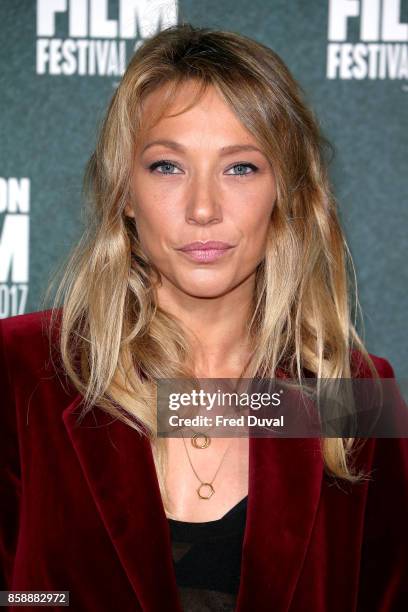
(254, 216)
(155, 225)
(256, 237)
(254, 203)
(147, 212)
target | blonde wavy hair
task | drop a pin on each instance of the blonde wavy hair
(114, 339)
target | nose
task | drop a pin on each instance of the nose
(203, 206)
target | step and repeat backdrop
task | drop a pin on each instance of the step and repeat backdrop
(62, 59)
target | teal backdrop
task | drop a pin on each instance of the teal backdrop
(62, 59)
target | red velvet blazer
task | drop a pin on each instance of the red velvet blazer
(81, 509)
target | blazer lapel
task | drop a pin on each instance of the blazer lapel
(119, 468)
(285, 478)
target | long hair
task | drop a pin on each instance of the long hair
(114, 339)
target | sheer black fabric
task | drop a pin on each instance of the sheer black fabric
(207, 560)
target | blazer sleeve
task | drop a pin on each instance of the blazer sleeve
(383, 584)
(10, 476)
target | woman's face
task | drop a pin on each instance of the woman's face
(208, 181)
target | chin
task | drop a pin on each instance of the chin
(211, 289)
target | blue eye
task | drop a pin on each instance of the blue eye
(164, 162)
(161, 162)
(246, 165)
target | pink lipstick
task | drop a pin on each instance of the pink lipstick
(205, 252)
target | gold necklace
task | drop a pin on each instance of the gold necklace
(200, 435)
(206, 487)
(206, 440)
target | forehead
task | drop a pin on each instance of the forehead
(189, 107)
(174, 97)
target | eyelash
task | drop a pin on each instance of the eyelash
(165, 162)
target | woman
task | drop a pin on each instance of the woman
(207, 139)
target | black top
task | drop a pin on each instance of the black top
(207, 560)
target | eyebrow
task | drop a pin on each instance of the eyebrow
(223, 151)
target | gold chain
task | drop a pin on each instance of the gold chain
(208, 486)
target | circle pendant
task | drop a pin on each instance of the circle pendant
(205, 490)
(205, 440)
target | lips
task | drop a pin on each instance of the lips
(206, 252)
(210, 245)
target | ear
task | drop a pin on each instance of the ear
(129, 210)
